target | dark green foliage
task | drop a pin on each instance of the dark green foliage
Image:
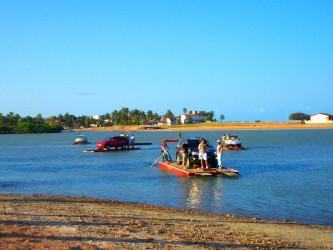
(210, 116)
(299, 116)
(11, 123)
(5, 130)
(169, 114)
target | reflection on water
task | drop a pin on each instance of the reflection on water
(202, 190)
(284, 174)
(194, 195)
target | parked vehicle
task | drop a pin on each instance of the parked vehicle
(193, 155)
(81, 139)
(113, 142)
(231, 141)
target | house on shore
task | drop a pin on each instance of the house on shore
(320, 118)
(193, 117)
(167, 121)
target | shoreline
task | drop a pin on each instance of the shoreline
(214, 126)
(56, 221)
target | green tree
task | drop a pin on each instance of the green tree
(12, 118)
(123, 116)
(169, 114)
(222, 117)
(209, 115)
(157, 117)
(299, 116)
(135, 116)
(39, 118)
(2, 120)
(150, 115)
(115, 117)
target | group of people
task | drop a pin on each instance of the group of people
(185, 152)
(131, 139)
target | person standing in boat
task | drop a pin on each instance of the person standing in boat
(165, 151)
(219, 153)
(203, 153)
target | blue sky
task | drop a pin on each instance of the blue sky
(250, 60)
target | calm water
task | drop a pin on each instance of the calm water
(284, 174)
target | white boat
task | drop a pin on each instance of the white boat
(81, 139)
(231, 141)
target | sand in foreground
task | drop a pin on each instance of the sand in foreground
(58, 222)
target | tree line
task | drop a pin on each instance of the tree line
(15, 124)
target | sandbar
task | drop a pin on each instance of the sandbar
(61, 222)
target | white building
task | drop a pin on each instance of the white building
(166, 121)
(192, 118)
(320, 118)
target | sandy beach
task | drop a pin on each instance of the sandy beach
(59, 222)
(225, 126)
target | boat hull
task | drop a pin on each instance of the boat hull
(168, 167)
(80, 142)
(189, 172)
(233, 147)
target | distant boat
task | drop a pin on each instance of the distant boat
(231, 142)
(81, 139)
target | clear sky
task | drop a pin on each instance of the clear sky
(250, 60)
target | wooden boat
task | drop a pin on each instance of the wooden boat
(98, 150)
(173, 167)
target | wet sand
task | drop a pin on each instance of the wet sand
(59, 222)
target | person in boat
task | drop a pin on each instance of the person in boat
(132, 141)
(203, 153)
(184, 151)
(165, 151)
(219, 153)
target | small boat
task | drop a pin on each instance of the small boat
(81, 139)
(173, 167)
(231, 142)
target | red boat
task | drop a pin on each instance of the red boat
(171, 140)
(173, 167)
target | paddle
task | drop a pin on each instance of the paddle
(156, 160)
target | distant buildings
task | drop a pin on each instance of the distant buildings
(193, 117)
(320, 118)
(186, 118)
(167, 121)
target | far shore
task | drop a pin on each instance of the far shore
(225, 126)
(62, 222)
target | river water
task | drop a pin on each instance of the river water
(284, 174)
